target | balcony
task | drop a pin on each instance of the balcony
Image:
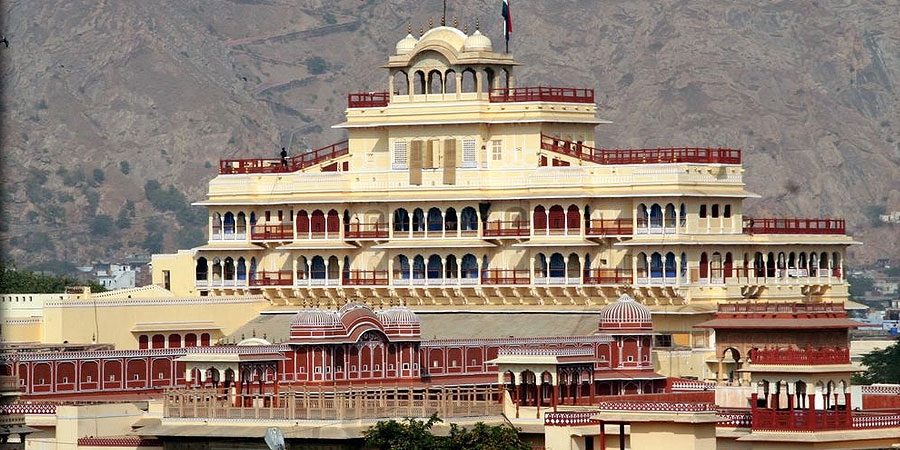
(801, 357)
(607, 276)
(801, 420)
(506, 228)
(272, 278)
(609, 227)
(279, 232)
(794, 226)
(368, 100)
(365, 278)
(542, 94)
(768, 276)
(367, 230)
(640, 156)
(287, 165)
(228, 233)
(506, 276)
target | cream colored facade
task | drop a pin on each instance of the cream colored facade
(121, 317)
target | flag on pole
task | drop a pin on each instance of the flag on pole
(507, 23)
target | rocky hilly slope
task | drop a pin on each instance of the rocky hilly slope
(107, 104)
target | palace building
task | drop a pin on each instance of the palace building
(470, 250)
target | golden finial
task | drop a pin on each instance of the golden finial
(455, 23)
(443, 21)
(466, 28)
(430, 23)
(421, 31)
(476, 25)
(409, 27)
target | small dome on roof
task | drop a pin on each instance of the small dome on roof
(398, 315)
(406, 44)
(315, 318)
(478, 42)
(625, 313)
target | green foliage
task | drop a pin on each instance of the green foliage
(125, 167)
(859, 285)
(881, 366)
(102, 225)
(53, 214)
(316, 65)
(15, 282)
(893, 271)
(330, 19)
(32, 217)
(34, 187)
(153, 242)
(93, 200)
(173, 200)
(34, 242)
(71, 178)
(411, 434)
(123, 220)
(190, 237)
(99, 176)
(874, 213)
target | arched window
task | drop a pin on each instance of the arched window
(656, 216)
(317, 223)
(715, 210)
(704, 265)
(452, 268)
(469, 266)
(574, 268)
(644, 217)
(450, 82)
(401, 83)
(334, 222)
(573, 219)
(469, 83)
(770, 264)
(418, 220)
(557, 266)
(190, 340)
(702, 211)
(792, 260)
(540, 218)
(682, 215)
(434, 266)
(488, 80)
(557, 218)
(159, 341)
(642, 268)
(241, 223)
(204, 339)
(504, 78)
(715, 264)
(469, 219)
(253, 268)
(656, 265)
(418, 267)
(670, 216)
(759, 264)
(401, 220)
(317, 269)
(143, 342)
(683, 266)
(217, 223)
(334, 268)
(229, 223)
(801, 263)
(229, 268)
(302, 224)
(823, 264)
(419, 82)
(670, 265)
(252, 218)
(217, 269)
(401, 267)
(435, 221)
(450, 220)
(345, 274)
(836, 264)
(728, 266)
(540, 266)
(174, 340)
(202, 271)
(435, 83)
(726, 213)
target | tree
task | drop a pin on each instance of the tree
(124, 167)
(123, 220)
(412, 434)
(316, 65)
(99, 176)
(16, 282)
(881, 366)
(101, 225)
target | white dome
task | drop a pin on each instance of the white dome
(624, 312)
(478, 42)
(398, 315)
(406, 44)
(315, 318)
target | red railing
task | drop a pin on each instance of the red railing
(607, 276)
(275, 165)
(609, 227)
(800, 420)
(782, 308)
(365, 278)
(496, 228)
(505, 276)
(541, 94)
(368, 100)
(794, 226)
(366, 230)
(272, 278)
(806, 356)
(641, 156)
(271, 232)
